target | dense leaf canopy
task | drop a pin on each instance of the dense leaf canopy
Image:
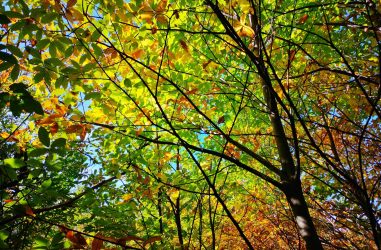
(213, 124)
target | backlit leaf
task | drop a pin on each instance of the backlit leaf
(14, 163)
(43, 136)
(8, 57)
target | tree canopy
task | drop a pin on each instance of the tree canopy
(213, 124)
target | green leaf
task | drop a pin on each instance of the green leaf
(97, 50)
(65, 40)
(15, 50)
(61, 82)
(18, 25)
(53, 50)
(40, 243)
(43, 136)
(15, 106)
(5, 66)
(3, 235)
(46, 183)
(127, 82)
(69, 51)
(95, 35)
(38, 77)
(4, 19)
(15, 72)
(59, 143)
(24, 7)
(48, 17)
(18, 88)
(55, 62)
(4, 99)
(37, 152)
(13, 14)
(42, 44)
(8, 57)
(35, 53)
(9, 172)
(31, 105)
(14, 163)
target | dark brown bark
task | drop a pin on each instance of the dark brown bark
(298, 205)
(178, 222)
(290, 174)
(370, 214)
(292, 186)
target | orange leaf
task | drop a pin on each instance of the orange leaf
(97, 243)
(4, 134)
(46, 120)
(76, 128)
(221, 120)
(75, 15)
(61, 109)
(292, 55)
(205, 64)
(161, 19)
(139, 131)
(146, 180)
(69, 234)
(191, 92)
(303, 19)
(29, 211)
(33, 42)
(154, 30)
(82, 135)
(76, 238)
(54, 128)
(114, 54)
(137, 54)
(71, 3)
(109, 51)
(184, 46)
(146, 12)
(54, 116)
(161, 6)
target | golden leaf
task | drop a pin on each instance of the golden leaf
(242, 29)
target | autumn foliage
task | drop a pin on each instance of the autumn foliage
(216, 124)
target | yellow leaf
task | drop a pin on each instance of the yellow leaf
(127, 197)
(4, 134)
(162, 177)
(174, 193)
(242, 29)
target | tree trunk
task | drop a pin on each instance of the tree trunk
(306, 228)
(376, 230)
